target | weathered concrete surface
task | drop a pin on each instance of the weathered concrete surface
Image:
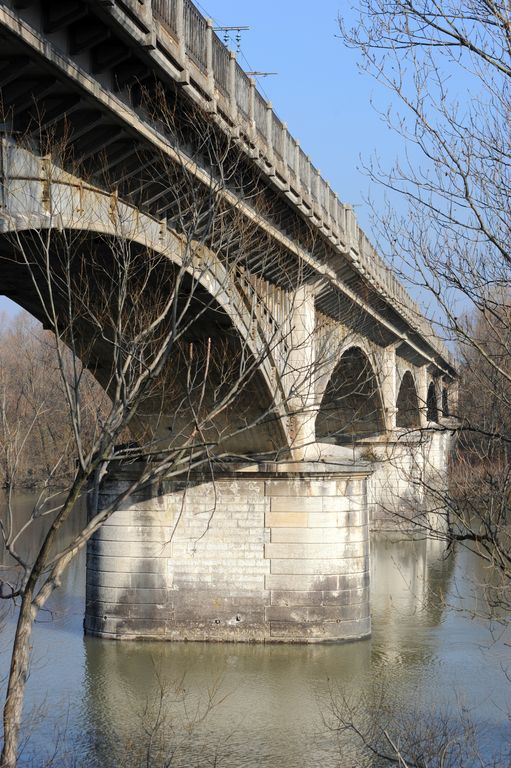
(271, 555)
(410, 471)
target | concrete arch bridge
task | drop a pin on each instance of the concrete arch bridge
(132, 136)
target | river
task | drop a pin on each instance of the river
(95, 702)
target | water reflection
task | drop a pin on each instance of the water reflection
(410, 579)
(267, 701)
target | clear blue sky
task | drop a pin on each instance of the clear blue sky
(317, 91)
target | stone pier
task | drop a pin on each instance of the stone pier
(269, 553)
(409, 477)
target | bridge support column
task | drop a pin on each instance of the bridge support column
(410, 476)
(438, 395)
(395, 489)
(300, 374)
(422, 394)
(272, 553)
(453, 395)
(389, 387)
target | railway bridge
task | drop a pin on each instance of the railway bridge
(128, 121)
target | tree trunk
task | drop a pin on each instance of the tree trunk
(17, 681)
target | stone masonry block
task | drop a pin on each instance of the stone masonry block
(153, 611)
(288, 598)
(286, 520)
(129, 517)
(126, 581)
(135, 533)
(233, 610)
(150, 581)
(308, 582)
(313, 551)
(143, 549)
(322, 520)
(336, 504)
(143, 502)
(321, 631)
(131, 595)
(317, 613)
(297, 504)
(353, 518)
(355, 487)
(108, 579)
(301, 487)
(319, 535)
(251, 523)
(354, 580)
(347, 597)
(319, 566)
(321, 597)
(128, 564)
(341, 486)
(222, 598)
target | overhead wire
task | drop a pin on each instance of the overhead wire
(241, 54)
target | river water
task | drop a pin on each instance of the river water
(100, 703)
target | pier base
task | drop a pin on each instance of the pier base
(409, 478)
(269, 553)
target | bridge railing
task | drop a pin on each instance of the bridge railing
(196, 31)
(215, 69)
(166, 12)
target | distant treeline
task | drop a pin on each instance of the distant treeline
(36, 436)
(485, 383)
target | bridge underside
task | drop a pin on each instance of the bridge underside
(351, 408)
(211, 390)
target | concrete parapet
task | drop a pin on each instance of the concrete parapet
(270, 553)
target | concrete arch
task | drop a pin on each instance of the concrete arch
(42, 201)
(407, 403)
(402, 369)
(338, 344)
(351, 407)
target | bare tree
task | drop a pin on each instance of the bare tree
(447, 66)
(383, 735)
(157, 303)
(450, 232)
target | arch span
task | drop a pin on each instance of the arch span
(408, 413)
(215, 367)
(74, 234)
(352, 406)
